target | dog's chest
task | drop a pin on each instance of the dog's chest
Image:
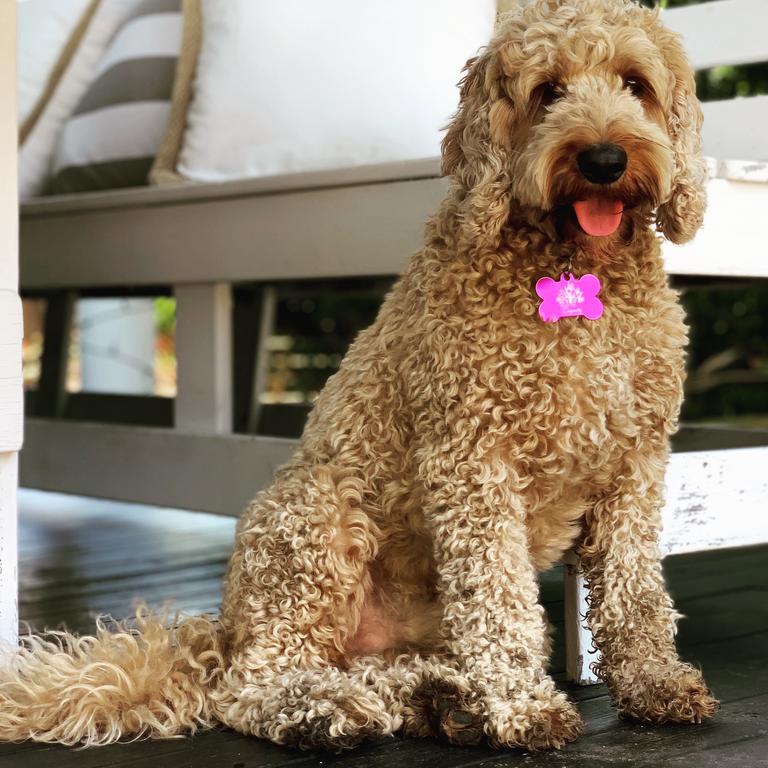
(577, 398)
(587, 382)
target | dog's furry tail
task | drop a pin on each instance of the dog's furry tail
(149, 681)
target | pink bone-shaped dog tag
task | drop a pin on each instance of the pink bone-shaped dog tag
(569, 297)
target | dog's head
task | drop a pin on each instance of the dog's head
(583, 112)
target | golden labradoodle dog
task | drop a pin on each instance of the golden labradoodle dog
(386, 580)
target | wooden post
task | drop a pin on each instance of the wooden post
(579, 652)
(204, 357)
(51, 396)
(11, 394)
(261, 367)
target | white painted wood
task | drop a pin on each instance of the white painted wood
(723, 32)
(743, 170)
(734, 129)
(164, 467)
(11, 393)
(732, 240)
(9, 613)
(10, 331)
(11, 403)
(579, 650)
(716, 499)
(9, 263)
(203, 358)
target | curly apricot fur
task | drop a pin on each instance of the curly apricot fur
(387, 577)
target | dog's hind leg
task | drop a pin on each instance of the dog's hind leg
(295, 593)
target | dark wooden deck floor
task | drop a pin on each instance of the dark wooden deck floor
(79, 558)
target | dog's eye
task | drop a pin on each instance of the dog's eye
(549, 93)
(636, 86)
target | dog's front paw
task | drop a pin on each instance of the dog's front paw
(448, 708)
(534, 721)
(334, 728)
(664, 693)
(466, 714)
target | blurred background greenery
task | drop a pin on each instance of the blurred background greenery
(723, 82)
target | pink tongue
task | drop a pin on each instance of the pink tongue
(599, 217)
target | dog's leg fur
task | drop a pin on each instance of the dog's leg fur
(494, 628)
(296, 590)
(327, 707)
(631, 615)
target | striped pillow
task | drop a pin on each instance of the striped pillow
(112, 138)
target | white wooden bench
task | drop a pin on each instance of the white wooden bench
(364, 222)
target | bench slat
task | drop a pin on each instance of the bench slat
(723, 32)
(145, 465)
(201, 192)
(715, 499)
(732, 241)
(121, 462)
(735, 129)
(341, 232)
(346, 231)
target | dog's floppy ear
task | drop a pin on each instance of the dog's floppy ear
(680, 217)
(479, 167)
(468, 120)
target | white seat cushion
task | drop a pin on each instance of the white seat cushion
(44, 28)
(294, 85)
(113, 134)
(36, 154)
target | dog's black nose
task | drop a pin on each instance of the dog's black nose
(603, 163)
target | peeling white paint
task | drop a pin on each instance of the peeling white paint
(716, 499)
